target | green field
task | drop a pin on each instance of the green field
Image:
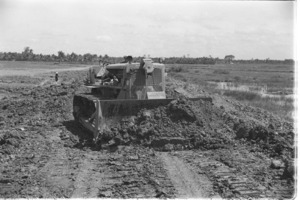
(276, 77)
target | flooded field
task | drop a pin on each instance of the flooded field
(255, 88)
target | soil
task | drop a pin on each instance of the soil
(198, 149)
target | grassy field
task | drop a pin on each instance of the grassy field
(277, 79)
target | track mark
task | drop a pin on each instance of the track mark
(89, 178)
(187, 183)
(57, 174)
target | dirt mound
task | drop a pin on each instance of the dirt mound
(37, 106)
(185, 124)
(32, 109)
(270, 141)
(175, 126)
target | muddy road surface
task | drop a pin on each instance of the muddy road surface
(218, 149)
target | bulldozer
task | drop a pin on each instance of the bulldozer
(120, 90)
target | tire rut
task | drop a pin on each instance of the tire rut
(187, 183)
(88, 178)
(56, 174)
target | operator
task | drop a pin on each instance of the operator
(115, 80)
(127, 59)
(106, 77)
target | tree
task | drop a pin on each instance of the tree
(80, 58)
(229, 58)
(51, 58)
(87, 57)
(94, 58)
(73, 57)
(27, 54)
(61, 56)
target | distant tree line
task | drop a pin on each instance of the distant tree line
(28, 55)
(268, 61)
(88, 58)
(184, 60)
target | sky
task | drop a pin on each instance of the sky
(245, 29)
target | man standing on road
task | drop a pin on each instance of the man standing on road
(56, 76)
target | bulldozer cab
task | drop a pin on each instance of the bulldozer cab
(127, 80)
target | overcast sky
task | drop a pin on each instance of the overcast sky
(246, 29)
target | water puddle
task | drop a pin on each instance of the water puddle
(255, 88)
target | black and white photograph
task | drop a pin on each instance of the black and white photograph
(148, 99)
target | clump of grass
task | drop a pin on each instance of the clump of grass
(242, 95)
(178, 69)
(237, 78)
(179, 77)
(221, 71)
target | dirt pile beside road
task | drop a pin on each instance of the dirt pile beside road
(186, 124)
(37, 106)
(32, 109)
(183, 124)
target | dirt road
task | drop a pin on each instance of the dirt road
(220, 149)
(187, 183)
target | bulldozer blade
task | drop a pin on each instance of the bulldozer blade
(98, 115)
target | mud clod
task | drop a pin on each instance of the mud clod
(277, 164)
